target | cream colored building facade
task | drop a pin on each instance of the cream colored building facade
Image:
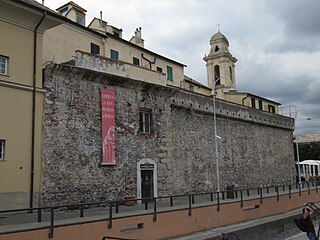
(21, 99)
(99, 38)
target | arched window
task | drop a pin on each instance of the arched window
(216, 49)
(230, 72)
(217, 74)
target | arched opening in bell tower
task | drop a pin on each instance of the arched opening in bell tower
(217, 74)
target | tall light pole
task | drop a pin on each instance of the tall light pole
(216, 137)
(296, 141)
(298, 159)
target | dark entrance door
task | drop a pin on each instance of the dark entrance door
(147, 183)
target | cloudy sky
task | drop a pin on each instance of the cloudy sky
(277, 43)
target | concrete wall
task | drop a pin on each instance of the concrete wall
(181, 143)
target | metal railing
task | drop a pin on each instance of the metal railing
(164, 203)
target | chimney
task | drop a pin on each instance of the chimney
(101, 19)
(42, 2)
(137, 35)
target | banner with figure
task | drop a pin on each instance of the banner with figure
(108, 135)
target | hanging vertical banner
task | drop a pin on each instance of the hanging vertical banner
(108, 141)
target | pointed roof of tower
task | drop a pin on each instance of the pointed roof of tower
(219, 37)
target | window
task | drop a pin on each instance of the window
(95, 49)
(169, 73)
(159, 69)
(3, 65)
(114, 54)
(64, 11)
(260, 105)
(136, 61)
(271, 109)
(2, 148)
(230, 72)
(145, 121)
(80, 19)
(253, 102)
(116, 34)
(191, 88)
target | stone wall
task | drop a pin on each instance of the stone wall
(255, 149)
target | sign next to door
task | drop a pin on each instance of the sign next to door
(108, 141)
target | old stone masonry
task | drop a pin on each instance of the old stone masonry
(175, 157)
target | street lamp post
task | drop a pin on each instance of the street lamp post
(216, 137)
(296, 141)
(298, 159)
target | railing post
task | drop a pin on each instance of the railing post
(192, 197)
(81, 211)
(299, 189)
(236, 192)
(171, 201)
(218, 201)
(39, 215)
(117, 207)
(283, 188)
(110, 215)
(51, 222)
(248, 192)
(258, 191)
(211, 197)
(289, 191)
(189, 209)
(260, 195)
(146, 204)
(222, 195)
(241, 198)
(267, 189)
(308, 187)
(316, 187)
(154, 209)
(277, 193)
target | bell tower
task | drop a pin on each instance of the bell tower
(220, 63)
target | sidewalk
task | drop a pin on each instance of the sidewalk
(19, 221)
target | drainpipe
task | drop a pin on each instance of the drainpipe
(34, 108)
(244, 99)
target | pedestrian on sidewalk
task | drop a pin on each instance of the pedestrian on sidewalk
(311, 233)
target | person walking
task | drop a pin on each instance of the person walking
(307, 221)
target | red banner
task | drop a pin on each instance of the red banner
(108, 139)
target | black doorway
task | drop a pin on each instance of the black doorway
(147, 184)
